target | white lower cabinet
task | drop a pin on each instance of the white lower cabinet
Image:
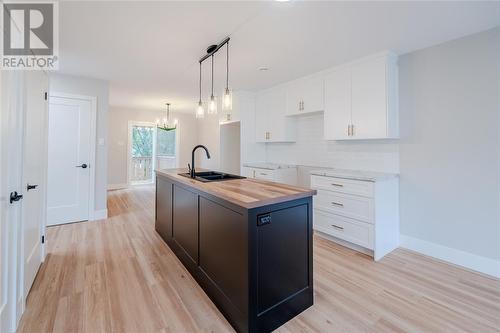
(285, 175)
(362, 214)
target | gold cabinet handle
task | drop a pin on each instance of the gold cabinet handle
(348, 130)
(337, 227)
(337, 204)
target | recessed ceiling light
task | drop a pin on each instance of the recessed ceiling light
(263, 68)
(282, 0)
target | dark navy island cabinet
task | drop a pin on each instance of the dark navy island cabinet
(255, 264)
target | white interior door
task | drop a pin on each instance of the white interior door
(11, 148)
(34, 168)
(69, 159)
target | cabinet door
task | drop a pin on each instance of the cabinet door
(163, 223)
(369, 99)
(305, 95)
(248, 172)
(278, 260)
(185, 221)
(337, 104)
(264, 174)
(262, 107)
(314, 97)
(294, 97)
(224, 250)
(281, 128)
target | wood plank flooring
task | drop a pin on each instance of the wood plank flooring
(117, 275)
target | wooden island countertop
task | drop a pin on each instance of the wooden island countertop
(247, 193)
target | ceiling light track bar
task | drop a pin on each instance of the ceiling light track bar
(213, 49)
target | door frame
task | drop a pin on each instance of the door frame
(132, 123)
(93, 142)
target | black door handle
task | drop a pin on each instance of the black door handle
(83, 166)
(31, 187)
(14, 196)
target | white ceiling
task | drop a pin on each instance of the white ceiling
(149, 51)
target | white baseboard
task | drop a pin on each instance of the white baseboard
(117, 186)
(99, 215)
(461, 258)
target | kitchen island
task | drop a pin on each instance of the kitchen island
(247, 242)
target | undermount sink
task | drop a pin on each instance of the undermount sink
(211, 176)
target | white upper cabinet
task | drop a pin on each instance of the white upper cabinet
(337, 116)
(361, 100)
(271, 123)
(305, 95)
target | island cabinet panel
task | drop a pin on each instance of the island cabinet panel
(281, 266)
(185, 221)
(163, 224)
(223, 255)
(283, 247)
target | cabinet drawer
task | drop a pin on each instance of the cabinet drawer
(264, 174)
(349, 186)
(360, 208)
(347, 229)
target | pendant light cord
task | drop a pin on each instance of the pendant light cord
(212, 75)
(227, 65)
(200, 81)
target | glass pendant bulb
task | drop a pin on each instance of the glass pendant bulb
(212, 107)
(200, 112)
(227, 100)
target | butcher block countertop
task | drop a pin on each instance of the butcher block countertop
(247, 193)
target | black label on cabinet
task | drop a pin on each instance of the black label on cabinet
(264, 219)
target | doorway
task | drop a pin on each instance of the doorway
(150, 148)
(71, 158)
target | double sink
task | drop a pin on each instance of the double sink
(211, 176)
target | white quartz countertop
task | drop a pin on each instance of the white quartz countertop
(354, 174)
(268, 166)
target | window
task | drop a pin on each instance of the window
(165, 149)
(141, 154)
(166, 143)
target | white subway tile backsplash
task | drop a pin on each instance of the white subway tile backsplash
(311, 149)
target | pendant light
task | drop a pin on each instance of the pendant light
(166, 121)
(212, 107)
(227, 101)
(200, 112)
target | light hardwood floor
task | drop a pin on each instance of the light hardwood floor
(117, 275)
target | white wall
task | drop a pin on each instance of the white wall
(90, 87)
(230, 149)
(209, 133)
(450, 149)
(118, 138)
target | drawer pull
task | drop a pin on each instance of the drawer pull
(337, 204)
(338, 185)
(263, 174)
(337, 227)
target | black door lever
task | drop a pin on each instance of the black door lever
(84, 166)
(14, 196)
(31, 187)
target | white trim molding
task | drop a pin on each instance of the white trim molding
(117, 186)
(100, 214)
(461, 258)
